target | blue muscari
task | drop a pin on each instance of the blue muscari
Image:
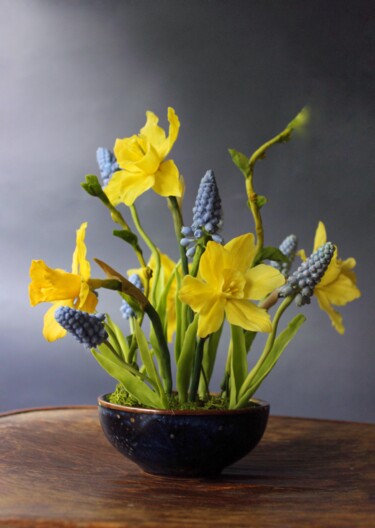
(126, 310)
(303, 281)
(288, 247)
(86, 328)
(207, 215)
(107, 163)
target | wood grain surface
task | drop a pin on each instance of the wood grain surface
(58, 470)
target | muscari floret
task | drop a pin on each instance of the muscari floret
(207, 215)
(303, 281)
(288, 247)
(86, 328)
(107, 163)
(126, 310)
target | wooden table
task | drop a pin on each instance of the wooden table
(58, 470)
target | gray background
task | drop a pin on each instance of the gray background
(77, 74)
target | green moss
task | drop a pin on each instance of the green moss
(121, 397)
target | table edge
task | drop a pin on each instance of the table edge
(14, 412)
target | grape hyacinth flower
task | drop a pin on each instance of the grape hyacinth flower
(86, 328)
(288, 247)
(303, 281)
(207, 215)
(107, 163)
(126, 310)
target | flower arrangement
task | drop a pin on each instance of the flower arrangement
(187, 302)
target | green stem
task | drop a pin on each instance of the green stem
(178, 223)
(267, 348)
(259, 154)
(154, 250)
(119, 219)
(196, 370)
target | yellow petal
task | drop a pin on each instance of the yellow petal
(156, 135)
(125, 187)
(320, 236)
(167, 180)
(211, 316)
(128, 150)
(262, 280)
(301, 254)
(152, 132)
(245, 314)
(81, 266)
(49, 284)
(346, 268)
(336, 317)
(51, 329)
(87, 301)
(212, 264)
(341, 291)
(332, 272)
(195, 293)
(240, 252)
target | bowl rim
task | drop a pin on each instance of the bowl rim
(259, 405)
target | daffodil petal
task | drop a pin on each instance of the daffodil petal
(240, 252)
(50, 285)
(125, 187)
(51, 329)
(320, 236)
(245, 314)
(211, 316)
(152, 132)
(341, 291)
(87, 301)
(262, 280)
(81, 266)
(301, 254)
(211, 265)
(195, 293)
(167, 180)
(336, 317)
(128, 150)
(332, 272)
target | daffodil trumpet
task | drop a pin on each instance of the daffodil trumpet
(215, 284)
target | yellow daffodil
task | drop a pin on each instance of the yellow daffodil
(338, 285)
(168, 267)
(62, 288)
(225, 285)
(142, 166)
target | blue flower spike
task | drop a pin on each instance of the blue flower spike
(107, 164)
(126, 310)
(303, 281)
(207, 215)
(87, 329)
(288, 247)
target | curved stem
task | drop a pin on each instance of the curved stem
(178, 223)
(154, 250)
(268, 346)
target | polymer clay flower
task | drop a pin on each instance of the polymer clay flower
(226, 286)
(142, 165)
(338, 284)
(62, 288)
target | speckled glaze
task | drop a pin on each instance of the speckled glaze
(183, 443)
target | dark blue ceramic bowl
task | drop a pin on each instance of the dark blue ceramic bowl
(183, 443)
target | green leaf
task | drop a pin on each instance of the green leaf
(186, 360)
(249, 338)
(281, 342)
(93, 187)
(121, 339)
(241, 161)
(239, 365)
(260, 201)
(134, 385)
(270, 253)
(209, 356)
(127, 236)
(147, 357)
